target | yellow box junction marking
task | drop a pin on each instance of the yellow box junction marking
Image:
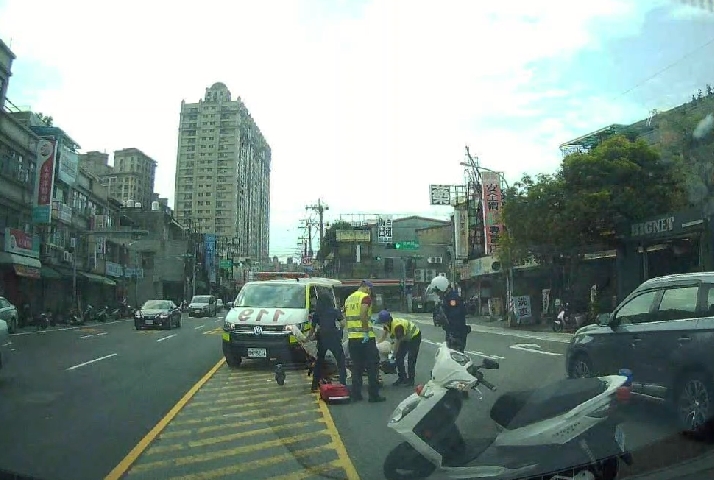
(240, 423)
(215, 331)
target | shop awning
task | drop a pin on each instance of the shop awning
(27, 267)
(49, 273)
(27, 272)
(14, 259)
(98, 279)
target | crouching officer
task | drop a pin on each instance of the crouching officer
(362, 342)
(452, 311)
(407, 342)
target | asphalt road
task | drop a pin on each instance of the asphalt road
(74, 401)
(108, 401)
(527, 360)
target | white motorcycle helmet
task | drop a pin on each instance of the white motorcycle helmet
(439, 284)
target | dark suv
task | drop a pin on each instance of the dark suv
(664, 333)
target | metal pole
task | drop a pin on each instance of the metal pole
(74, 275)
(193, 281)
(136, 279)
(321, 211)
(404, 284)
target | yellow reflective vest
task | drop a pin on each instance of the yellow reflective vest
(353, 306)
(410, 328)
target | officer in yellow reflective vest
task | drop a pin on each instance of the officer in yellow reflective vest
(362, 342)
(407, 342)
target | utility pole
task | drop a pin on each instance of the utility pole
(320, 208)
(73, 244)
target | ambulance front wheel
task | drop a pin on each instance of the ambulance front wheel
(233, 360)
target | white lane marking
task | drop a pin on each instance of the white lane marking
(542, 336)
(94, 335)
(92, 361)
(65, 329)
(533, 348)
(199, 327)
(166, 337)
(478, 354)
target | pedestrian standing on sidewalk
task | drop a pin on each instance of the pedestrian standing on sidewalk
(362, 342)
(326, 325)
(407, 338)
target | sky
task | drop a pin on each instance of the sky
(364, 103)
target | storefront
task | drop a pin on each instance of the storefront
(20, 268)
(663, 245)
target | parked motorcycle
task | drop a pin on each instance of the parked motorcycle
(76, 317)
(102, 314)
(41, 321)
(568, 430)
(567, 320)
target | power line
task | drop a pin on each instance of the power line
(664, 69)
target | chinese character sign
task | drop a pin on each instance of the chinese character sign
(384, 229)
(44, 183)
(522, 306)
(440, 194)
(492, 204)
(68, 165)
(461, 233)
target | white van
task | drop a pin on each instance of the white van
(257, 325)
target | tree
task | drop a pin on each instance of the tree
(583, 202)
(47, 120)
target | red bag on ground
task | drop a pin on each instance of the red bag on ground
(334, 392)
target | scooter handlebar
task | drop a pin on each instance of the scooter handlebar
(488, 385)
(476, 372)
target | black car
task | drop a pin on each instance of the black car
(663, 333)
(158, 313)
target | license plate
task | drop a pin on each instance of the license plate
(148, 322)
(226, 337)
(620, 437)
(257, 353)
(197, 311)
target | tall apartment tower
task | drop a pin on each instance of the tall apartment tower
(130, 179)
(223, 172)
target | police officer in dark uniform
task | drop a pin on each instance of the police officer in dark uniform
(326, 324)
(452, 313)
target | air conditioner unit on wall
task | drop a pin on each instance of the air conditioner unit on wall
(435, 260)
(419, 275)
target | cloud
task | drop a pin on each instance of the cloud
(364, 103)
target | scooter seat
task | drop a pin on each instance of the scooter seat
(517, 409)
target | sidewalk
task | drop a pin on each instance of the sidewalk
(497, 322)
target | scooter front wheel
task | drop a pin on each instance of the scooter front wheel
(405, 463)
(557, 326)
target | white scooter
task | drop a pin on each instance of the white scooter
(565, 431)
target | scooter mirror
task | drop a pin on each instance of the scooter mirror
(490, 364)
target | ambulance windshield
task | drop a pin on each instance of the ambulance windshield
(272, 295)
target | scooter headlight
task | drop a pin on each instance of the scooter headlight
(404, 409)
(460, 358)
